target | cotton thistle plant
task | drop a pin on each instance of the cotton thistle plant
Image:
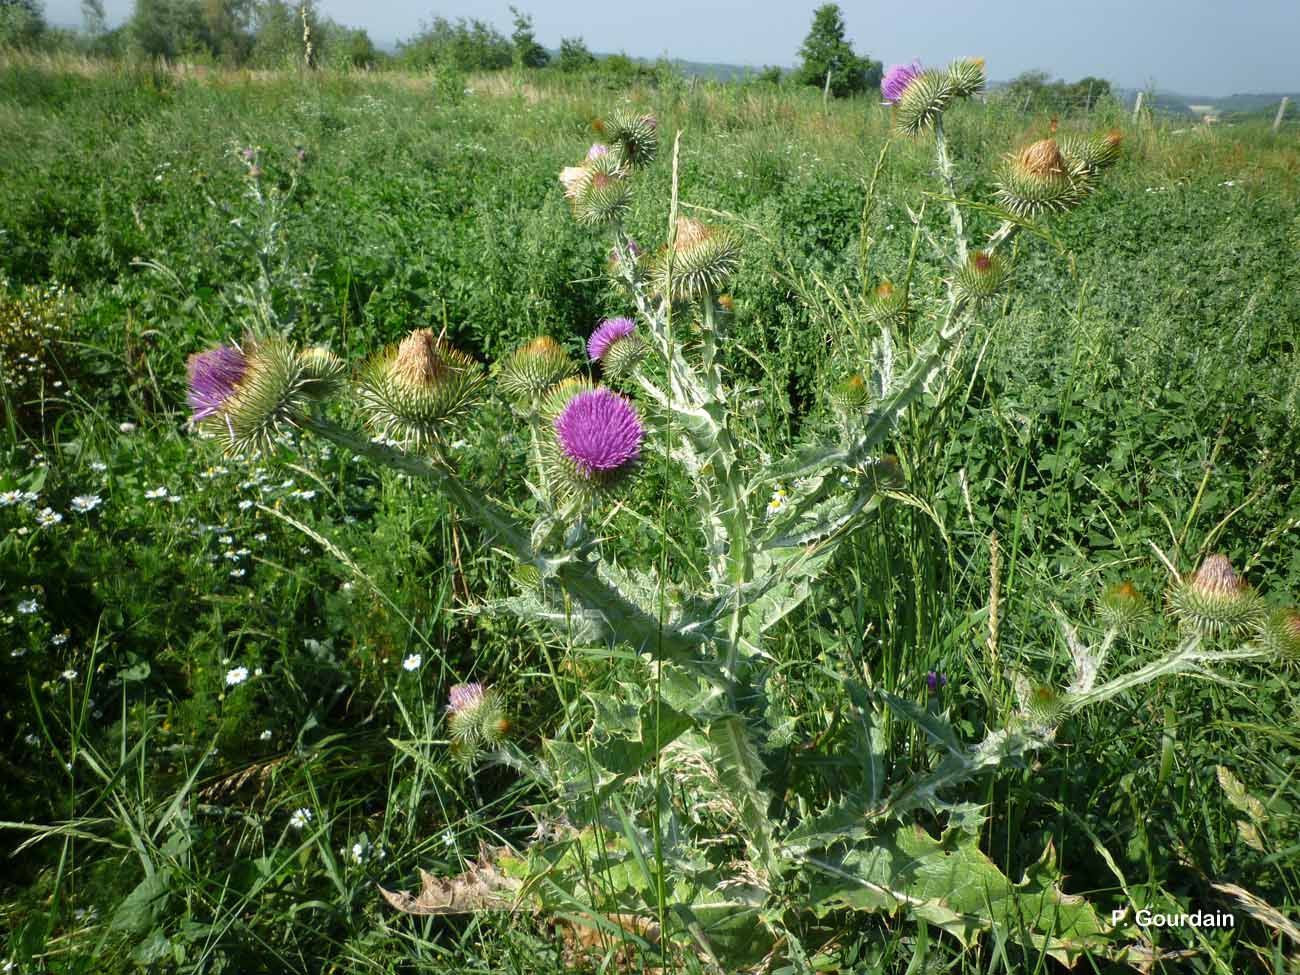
(699, 717)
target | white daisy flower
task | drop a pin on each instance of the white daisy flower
(69, 675)
(83, 503)
(27, 606)
(236, 675)
(300, 818)
(8, 498)
(225, 539)
(412, 662)
(59, 639)
(127, 427)
(236, 573)
(47, 517)
(98, 466)
(156, 493)
(265, 735)
(245, 504)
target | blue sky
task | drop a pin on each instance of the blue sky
(1192, 46)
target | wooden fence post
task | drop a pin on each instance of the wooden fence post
(1281, 110)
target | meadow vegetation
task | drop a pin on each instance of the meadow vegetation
(225, 718)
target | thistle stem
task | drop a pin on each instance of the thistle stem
(950, 185)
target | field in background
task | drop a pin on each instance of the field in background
(1142, 385)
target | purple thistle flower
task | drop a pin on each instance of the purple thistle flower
(607, 333)
(464, 697)
(597, 150)
(213, 376)
(897, 78)
(934, 681)
(599, 431)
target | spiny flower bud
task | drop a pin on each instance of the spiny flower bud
(245, 394)
(598, 189)
(851, 395)
(1043, 705)
(1092, 153)
(922, 101)
(982, 276)
(1040, 179)
(966, 77)
(410, 392)
(1280, 632)
(699, 262)
(475, 715)
(322, 372)
(1216, 600)
(533, 368)
(1121, 606)
(616, 346)
(635, 137)
(887, 305)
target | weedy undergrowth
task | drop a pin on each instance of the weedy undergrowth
(694, 818)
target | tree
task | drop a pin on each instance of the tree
(463, 45)
(826, 49)
(22, 22)
(574, 55)
(528, 53)
(93, 19)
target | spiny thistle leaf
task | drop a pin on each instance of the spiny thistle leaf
(700, 261)
(928, 94)
(533, 368)
(411, 391)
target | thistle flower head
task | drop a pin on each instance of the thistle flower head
(246, 393)
(597, 150)
(1042, 159)
(599, 433)
(934, 681)
(410, 392)
(897, 78)
(607, 333)
(1216, 600)
(1280, 632)
(214, 375)
(533, 368)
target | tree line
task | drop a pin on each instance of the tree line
(280, 33)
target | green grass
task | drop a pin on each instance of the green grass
(1140, 386)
